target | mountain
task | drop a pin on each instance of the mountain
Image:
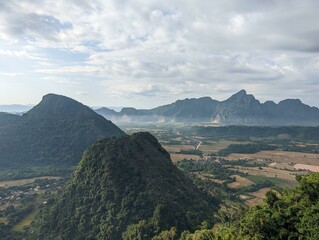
(105, 111)
(125, 188)
(240, 109)
(54, 132)
(7, 119)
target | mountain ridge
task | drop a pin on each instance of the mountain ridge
(239, 109)
(54, 132)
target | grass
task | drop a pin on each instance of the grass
(205, 147)
(3, 220)
(280, 157)
(177, 157)
(215, 146)
(272, 174)
(26, 221)
(240, 182)
(178, 148)
(22, 182)
(276, 181)
(258, 197)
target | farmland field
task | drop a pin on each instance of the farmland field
(214, 146)
(258, 197)
(177, 148)
(280, 156)
(307, 167)
(255, 170)
(271, 172)
(240, 182)
(177, 157)
(22, 182)
(26, 221)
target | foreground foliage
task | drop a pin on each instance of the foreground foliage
(292, 214)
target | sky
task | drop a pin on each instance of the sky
(147, 53)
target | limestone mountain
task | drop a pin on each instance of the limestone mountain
(240, 109)
(125, 188)
(54, 132)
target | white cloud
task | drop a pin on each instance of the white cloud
(9, 74)
(168, 47)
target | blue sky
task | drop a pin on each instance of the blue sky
(148, 53)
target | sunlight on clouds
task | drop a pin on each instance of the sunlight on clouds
(236, 24)
(165, 47)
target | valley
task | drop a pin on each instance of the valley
(247, 175)
(155, 172)
(22, 200)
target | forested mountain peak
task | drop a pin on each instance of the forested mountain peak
(126, 188)
(58, 106)
(54, 132)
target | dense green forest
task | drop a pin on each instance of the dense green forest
(126, 188)
(286, 214)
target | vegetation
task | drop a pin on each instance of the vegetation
(125, 188)
(248, 132)
(291, 214)
(206, 166)
(54, 133)
(245, 148)
(32, 172)
(191, 152)
(19, 205)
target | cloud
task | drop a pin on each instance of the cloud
(9, 74)
(70, 70)
(168, 49)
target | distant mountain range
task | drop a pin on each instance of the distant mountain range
(15, 108)
(126, 188)
(53, 133)
(240, 109)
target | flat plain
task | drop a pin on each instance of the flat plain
(21, 182)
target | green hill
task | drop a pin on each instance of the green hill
(55, 133)
(125, 188)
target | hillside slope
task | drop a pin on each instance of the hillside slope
(55, 132)
(125, 188)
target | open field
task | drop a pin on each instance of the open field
(288, 176)
(22, 182)
(206, 146)
(208, 176)
(280, 157)
(177, 157)
(3, 220)
(215, 146)
(178, 148)
(26, 221)
(311, 168)
(258, 197)
(240, 182)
